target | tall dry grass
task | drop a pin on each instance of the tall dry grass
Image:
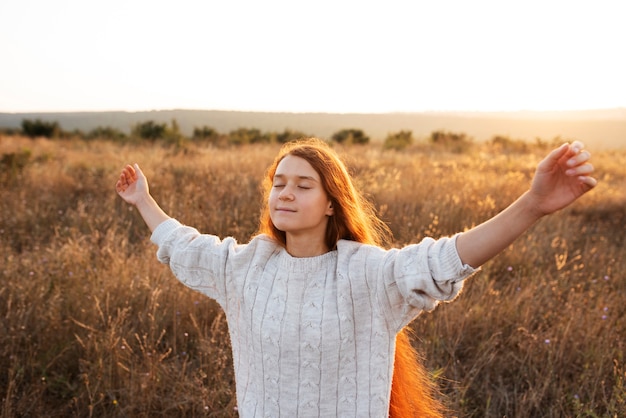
(93, 326)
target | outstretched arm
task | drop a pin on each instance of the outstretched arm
(132, 186)
(561, 178)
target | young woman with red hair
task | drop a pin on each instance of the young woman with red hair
(316, 308)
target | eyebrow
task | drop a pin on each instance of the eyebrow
(282, 176)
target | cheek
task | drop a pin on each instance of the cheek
(272, 197)
(272, 201)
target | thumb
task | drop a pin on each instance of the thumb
(138, 171)
(554, 157)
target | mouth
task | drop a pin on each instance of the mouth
(284, 210)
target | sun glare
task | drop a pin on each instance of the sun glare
(283, 56)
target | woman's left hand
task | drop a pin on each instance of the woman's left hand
(562, 177)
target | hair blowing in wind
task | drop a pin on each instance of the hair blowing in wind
(412, 391)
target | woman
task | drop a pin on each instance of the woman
(315, 307)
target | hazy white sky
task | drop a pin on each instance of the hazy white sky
(323, 56)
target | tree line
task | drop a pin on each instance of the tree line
(170, 134)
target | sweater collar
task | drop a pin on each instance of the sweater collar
(306, 264)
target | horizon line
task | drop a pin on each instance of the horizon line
(396, 112)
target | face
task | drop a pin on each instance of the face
(298, 203)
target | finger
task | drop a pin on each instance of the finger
(129, 174)
(576, 147)
(588, 182)
(581, 158)
(138, 171)
(120, 186)
(581, 170)
(122, 178)
(559, 152)
(553, 158)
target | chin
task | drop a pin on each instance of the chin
(278, 226)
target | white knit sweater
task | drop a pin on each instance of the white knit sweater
(313, 337)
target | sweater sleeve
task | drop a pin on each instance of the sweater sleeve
(199, 261)
(419, 276)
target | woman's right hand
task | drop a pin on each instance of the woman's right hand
(132, 186)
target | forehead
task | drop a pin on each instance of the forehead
(292, 166)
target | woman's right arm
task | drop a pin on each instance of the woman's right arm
(132, 186)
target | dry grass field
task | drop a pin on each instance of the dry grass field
(93, 326)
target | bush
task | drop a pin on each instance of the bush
(398, 140)
(36, 128)
(12, 164)
(350, 136)
(451, 141)
(205, 134)
(546, 144)
(106, 132)
(289, 135)
(244, 136)
(504, 144)
(10, 131)
(173, 136)
(149, 130)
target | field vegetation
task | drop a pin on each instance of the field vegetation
(93, 326)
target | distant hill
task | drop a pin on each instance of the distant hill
(597, 128)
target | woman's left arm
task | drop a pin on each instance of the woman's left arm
(561, 178)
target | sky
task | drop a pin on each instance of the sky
(339, 56)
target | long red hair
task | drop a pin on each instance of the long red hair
(354, 218)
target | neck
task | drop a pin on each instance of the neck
(304, 246)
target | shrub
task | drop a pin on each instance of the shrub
(350, 136)
(451, 141)
(504, 144)
(10, 131)
(12, 164)
(243, 136)
(545, 144)
(289, 135)
(205, 134)
(38, 127)
(149, 130)
(106, 132)
(398, 140)
(173, 136)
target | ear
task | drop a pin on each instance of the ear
(329, 210)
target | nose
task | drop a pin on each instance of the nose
(286, 194)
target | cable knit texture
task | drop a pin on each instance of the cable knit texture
(313, 337)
